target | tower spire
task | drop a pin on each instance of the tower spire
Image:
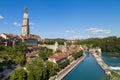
(25, 25)
(26, 10)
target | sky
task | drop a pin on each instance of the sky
(69, 19)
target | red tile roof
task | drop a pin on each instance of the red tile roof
(31, 36)
(59, 56)
(32, 54)
(12, 36)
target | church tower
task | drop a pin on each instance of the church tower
(25, 25)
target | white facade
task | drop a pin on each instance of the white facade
(4, 36)
(25, 26)
(52, 60)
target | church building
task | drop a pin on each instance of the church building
(29, 39)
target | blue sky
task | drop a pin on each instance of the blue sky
(70, 19)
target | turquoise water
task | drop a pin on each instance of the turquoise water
(86, 70)
(111, 61)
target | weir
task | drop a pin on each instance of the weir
(115, 68)
(97, 55)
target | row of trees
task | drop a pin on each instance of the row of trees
(78, 54)
(52, 41)
(44, 53)
(39, 68)
(19, 74)
(13, 55)
(64, 64)
(67, 62)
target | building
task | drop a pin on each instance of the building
(26, 37)
(61, 57)
(25, 25)
(1, 40)
(29, 39)
(9, 39)
(31, 55)
(55, 47)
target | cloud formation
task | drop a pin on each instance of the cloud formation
(69, 31)
(1, 17)
(98, 31)
(16, 24)
(32, 23)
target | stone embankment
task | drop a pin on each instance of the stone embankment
(102, 64)
(68, 69)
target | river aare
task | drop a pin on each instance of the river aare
(88, 69)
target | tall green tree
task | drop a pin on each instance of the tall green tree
(44, 53)
(30, 76)
(38, 69)
(19, 74)
(52, 68)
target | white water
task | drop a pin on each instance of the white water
(115, 68)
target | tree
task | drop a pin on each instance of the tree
(52, 68)
(64, 64)
(44, 53)
(21, 47)
(52, 41)
(102, 79)
(20, 60)
(78, 54)
(2, 47)
(108, 44)
(114, 76)
(30, 76)
(37, 69)
(19, 74)
(16, 54)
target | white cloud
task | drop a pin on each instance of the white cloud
(98, 31)
(32, 23)
(16, 24)
(91, 29)
(69, 31)
(1, 17)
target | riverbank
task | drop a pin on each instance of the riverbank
(68, 69)
(101, 63)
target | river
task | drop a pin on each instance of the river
(86, 70)
(111, 61)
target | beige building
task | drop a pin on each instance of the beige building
(9, 39)
(29, 39)
(25, 25)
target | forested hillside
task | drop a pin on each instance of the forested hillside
(108, 44)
